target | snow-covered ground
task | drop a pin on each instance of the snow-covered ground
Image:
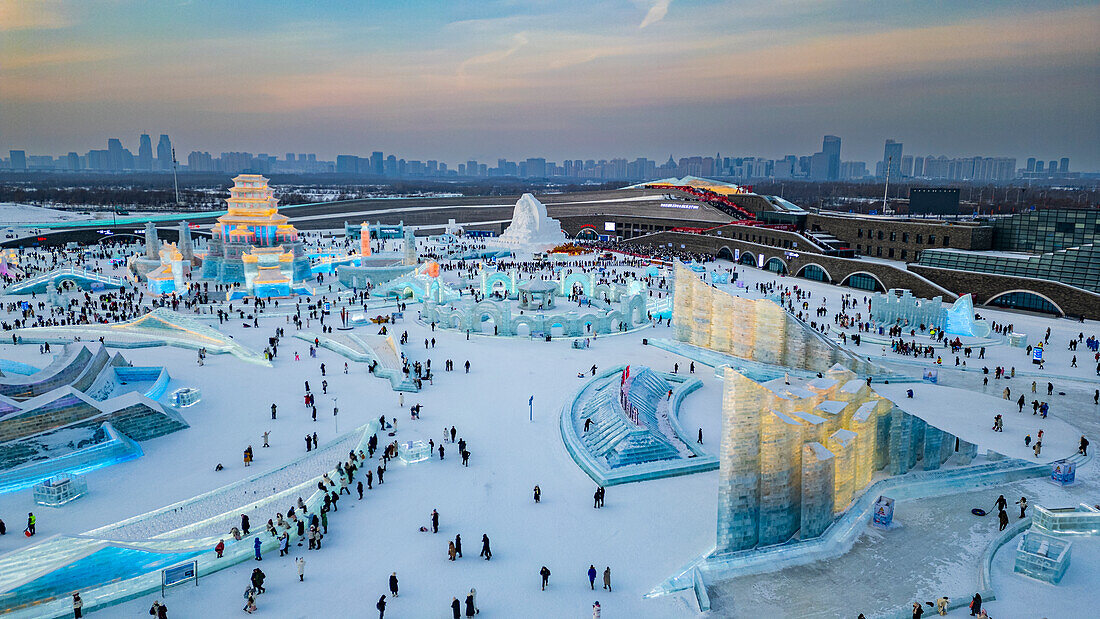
(12, 213)
(644, 533)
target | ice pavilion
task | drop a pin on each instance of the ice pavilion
(254, 245)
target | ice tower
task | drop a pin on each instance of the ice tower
(254, 245)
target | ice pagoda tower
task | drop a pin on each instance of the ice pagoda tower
(254, 245)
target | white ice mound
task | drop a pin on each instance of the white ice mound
(531, 227)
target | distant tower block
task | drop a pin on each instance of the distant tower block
(364, 239)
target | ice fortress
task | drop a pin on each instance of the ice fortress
(795, 455)
(253, 245)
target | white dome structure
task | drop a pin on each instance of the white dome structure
(531, 228)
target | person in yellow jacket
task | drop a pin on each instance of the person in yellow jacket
(941, 605)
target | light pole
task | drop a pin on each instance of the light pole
(531, 408)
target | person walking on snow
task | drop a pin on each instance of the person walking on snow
(393, 584)
(257, 548)
(300, 563)
(381, 606)
(435, 521)
(1002, 516)
(1023, 506)
(592, 577)
(456, 608)
(976, 605)
(607, 578)
(485, 551)
(941, 605)
(596, 610)
(470, 610)
(545, 573)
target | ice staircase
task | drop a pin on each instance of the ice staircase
(617, 450)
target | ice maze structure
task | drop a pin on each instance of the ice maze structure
(84, 411)
(623, 427)
(795, 455)
(759, 330)
(900, 307)
(568, 281)
(469, 316)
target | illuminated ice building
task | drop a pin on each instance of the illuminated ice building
(253, 245)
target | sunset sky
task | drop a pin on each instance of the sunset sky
(455, 80)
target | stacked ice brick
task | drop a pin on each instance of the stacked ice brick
(796, 453)
(752, 329)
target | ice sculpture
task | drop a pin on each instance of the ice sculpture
(960, 319)
(252, 244)
(1042, 556)
(784, 470)
(531, 228)
(759, 329)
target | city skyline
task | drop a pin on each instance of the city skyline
(461, 81)
(824, 165)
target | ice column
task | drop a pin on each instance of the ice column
(818, 479)
(780, 477)
(843, 444)
(739, 470)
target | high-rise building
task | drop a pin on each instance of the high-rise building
(164, 153)
(536, 167)
(347, 164)
(819, 167)
(377, 162)
(18, 159)
(830, 146)
(907, 165)
(891, 159)
(72, 161)
(200, 162)
(389, 166)
(1039, 167)
(918, 166)
(1052, 167)
(1031, 164)
(145, 153)
(1063, 165)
